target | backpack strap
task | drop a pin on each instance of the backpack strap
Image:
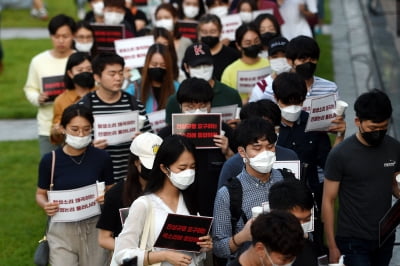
(235, 196)
(287, 173)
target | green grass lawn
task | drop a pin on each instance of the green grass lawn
(22, 221)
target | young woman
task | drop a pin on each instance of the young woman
(166, 16)
(250, 68)
(269, 28)
(78, 80)
(84, 37)
(245, 9)
(168, 190)
(157, 82)
(163, 36)
(76, 165)
(141, 158)
(191, 10)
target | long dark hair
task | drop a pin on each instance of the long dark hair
(168, 153)
(172, 10)
(164, 33)
(74, 60)
(132, 187)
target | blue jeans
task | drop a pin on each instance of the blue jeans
(360, 252)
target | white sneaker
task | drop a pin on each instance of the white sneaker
(39, 13)
(81, 13)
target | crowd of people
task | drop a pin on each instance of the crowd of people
(268, 72)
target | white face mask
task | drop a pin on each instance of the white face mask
(83, 46)
(263, 162)
(167, 24)
(307, 227)
(182, 180)
(78, 142)
(246, 17)
(190, 11)
(280, 65)
(219, 11)
(113, 18)
(197, 111)
(98, 8)
(202, 72)
(291, 113)
(263, 54)
(272, 263)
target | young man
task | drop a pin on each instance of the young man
(195, 96)
(110, 99)
(198, 63)
(256, 139)
(277, 238)
(269, 111)
(48, 65)
(361, 171)
(295, 197)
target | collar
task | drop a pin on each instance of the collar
(254, 180)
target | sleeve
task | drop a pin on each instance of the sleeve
(85, 101)
(45, 172)
(110, 213)
(256, 92)
(171, 108)
(127, 243)
(225, 78)
(57, 111)
(222, 228)
(32, 86)
(229, 169)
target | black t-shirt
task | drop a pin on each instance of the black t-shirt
(224, 58)
(365, 194)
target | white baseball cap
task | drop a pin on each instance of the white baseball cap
(145, 146)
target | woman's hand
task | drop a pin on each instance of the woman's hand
(206, 243)
(51, 208)
(100, 143)
(177, 258)
(100, 199)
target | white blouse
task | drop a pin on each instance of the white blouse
(128, 242)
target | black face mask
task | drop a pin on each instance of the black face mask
(267, 36)
(84, 80)
(374, 138)
(252, 51)
(211, 41)
(145, 173)
(156, 73)
(306, 70)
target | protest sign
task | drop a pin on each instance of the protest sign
(246, 79)
(389, 222)
(157, 120)
(53, 86)
(293, 166)
(105, 35)
(123, 213)
(134, 50)
(228, 112)
(116, 128)
(322, 112)
(188, 29)
(181, 232)
(230, 24)
(75, 204)
(200, 128)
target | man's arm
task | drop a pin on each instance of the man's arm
(331, 189)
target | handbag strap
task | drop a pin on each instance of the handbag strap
(147, 225)
(53, 162)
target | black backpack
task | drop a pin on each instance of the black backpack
(236, 195)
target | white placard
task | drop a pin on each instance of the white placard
(229, 25)
(157, 120)
(134, 50)
(116, 128)
(228, 112)
(246, 79)
(293, 166)
(322, 112)
(256, 13)
(75, 204)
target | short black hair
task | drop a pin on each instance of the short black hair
(210, 18)
(61, 20)
(302, 47)
(289, 88)
(374, 105)
(100, 62)
(74, 60)
(75, 110)
(288, 194)
(264, 108)
(243, 29)
(194, 90)
(251, 130)
(279, 231)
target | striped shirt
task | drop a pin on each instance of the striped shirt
(255, 193)
(119, 153)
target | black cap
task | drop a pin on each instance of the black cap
(277, 44)
(198, 54)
